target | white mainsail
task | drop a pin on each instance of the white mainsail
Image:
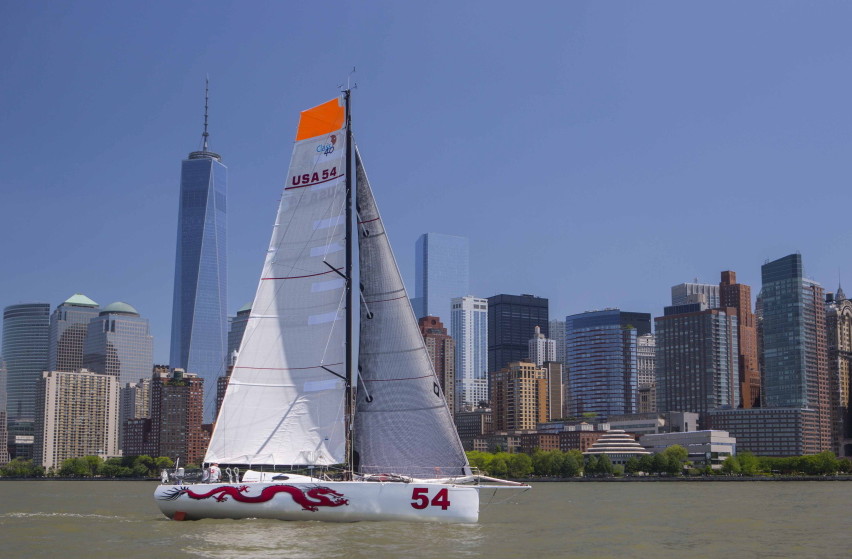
(402, 423)
(285, 402)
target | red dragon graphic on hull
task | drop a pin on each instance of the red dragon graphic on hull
(322, 496)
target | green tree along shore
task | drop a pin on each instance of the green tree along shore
(671, 462)
(91, 466)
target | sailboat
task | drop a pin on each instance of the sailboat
(325, 434)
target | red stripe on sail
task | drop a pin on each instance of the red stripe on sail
(307, 276)
(369, 220)
(288, 368)
(385, 300)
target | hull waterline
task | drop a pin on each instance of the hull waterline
(328, 501)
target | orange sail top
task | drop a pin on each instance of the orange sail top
(322, 119)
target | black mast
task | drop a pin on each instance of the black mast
(349, 315)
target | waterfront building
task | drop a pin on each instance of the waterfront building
(795, 344)
(4, 433)
(69, 325)
(771, 431)
(581, 440)
(646, 398)
(519, 396)
(472, 424)
(737, 296)
(647, 423)
(602, 360)
(177, 403)
(199, 304)
(442, 351)
(511, 321)
(618, 445)
(838, 316)
(118, 343)
(441, 273)
(77, 416)
(26, 332)
(691, 293)
(469, 329)
(696, 359)
(704, 448)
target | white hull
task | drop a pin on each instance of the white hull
(328, 501)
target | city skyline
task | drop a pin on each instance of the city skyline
(654, 127)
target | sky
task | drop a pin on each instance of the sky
(594, 153)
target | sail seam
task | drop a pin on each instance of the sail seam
(397, 379)
(307, 276)
(385, 300)
(287, 368)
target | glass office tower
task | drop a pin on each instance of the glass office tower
(68, 326)
(441, 273)
(199, 308)
(119, 344)
(25, 342)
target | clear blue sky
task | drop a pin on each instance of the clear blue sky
(595, 153)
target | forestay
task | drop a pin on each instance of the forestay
(285, 402)
(402, 423)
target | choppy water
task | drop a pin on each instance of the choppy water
(655, 520)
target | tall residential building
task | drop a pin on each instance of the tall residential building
(794, 343)
(441, 273)
(540, 348)
(555, 390)
(511, 322)
(26, 330)
(199, 308)
(68, 327)
(469, 329)
(519, 396)
(696, 359)
(442, 352)
(77, 416)
(601, 350)
(134, 403)
(737, 296)
(119, 344)
(646, 363)
(690, 293)
(177, 400)
(838, 317)
(4, 433)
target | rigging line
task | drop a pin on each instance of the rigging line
(332, 372)
(364, 302)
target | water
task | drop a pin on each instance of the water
(659, 520)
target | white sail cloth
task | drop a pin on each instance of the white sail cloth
(285, 398)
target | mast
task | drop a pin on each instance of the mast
(350, 406)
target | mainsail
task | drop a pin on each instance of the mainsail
(402, 423)
(285, 402)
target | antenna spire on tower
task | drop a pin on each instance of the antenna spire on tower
(206, 99)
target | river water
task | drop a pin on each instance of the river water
(656, 520)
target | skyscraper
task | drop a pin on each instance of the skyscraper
(441, 273)
(838, 317)
(469, 329)
(199, 308)
(687, 293)
(541, 349)
(442, 353)
(737, 296)
(118, 344)
(646, 359)
(601, 351)
(794, 343)
(69, 324)
(176, 411)
(4, 433)
(237, 329)
(511, 322)
(556, 329)
(25, 340)
(696, 359)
